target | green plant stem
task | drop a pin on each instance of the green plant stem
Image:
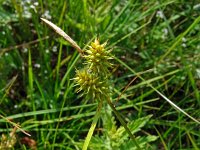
(123, 123)
(93, 125)
(30, 80)
(8, 87)
(161, 138)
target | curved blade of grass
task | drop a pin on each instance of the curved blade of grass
(8, 87)
(93, 125)
(192, 141)
(161, 138)
(63, 34)
(163, 96)
(48, 111)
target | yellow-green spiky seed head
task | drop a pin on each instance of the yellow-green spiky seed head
(90, 85)
(97, 57)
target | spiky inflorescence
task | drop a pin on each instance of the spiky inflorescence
(8, 142)
(91, 85)
(97, 58)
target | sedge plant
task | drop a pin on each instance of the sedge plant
(93, 80)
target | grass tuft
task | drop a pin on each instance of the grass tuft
(155, 46)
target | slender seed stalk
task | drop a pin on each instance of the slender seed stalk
(93, 125)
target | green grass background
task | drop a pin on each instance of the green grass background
(158, 39)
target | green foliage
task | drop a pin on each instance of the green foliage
(6, 15)
(157, 40)
(114, 137)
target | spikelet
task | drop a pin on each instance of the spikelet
(97, 58)
(90, 84)
(92, 80)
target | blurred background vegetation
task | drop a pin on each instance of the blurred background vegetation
(158, 39)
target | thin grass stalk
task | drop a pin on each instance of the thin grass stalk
(93, 125)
